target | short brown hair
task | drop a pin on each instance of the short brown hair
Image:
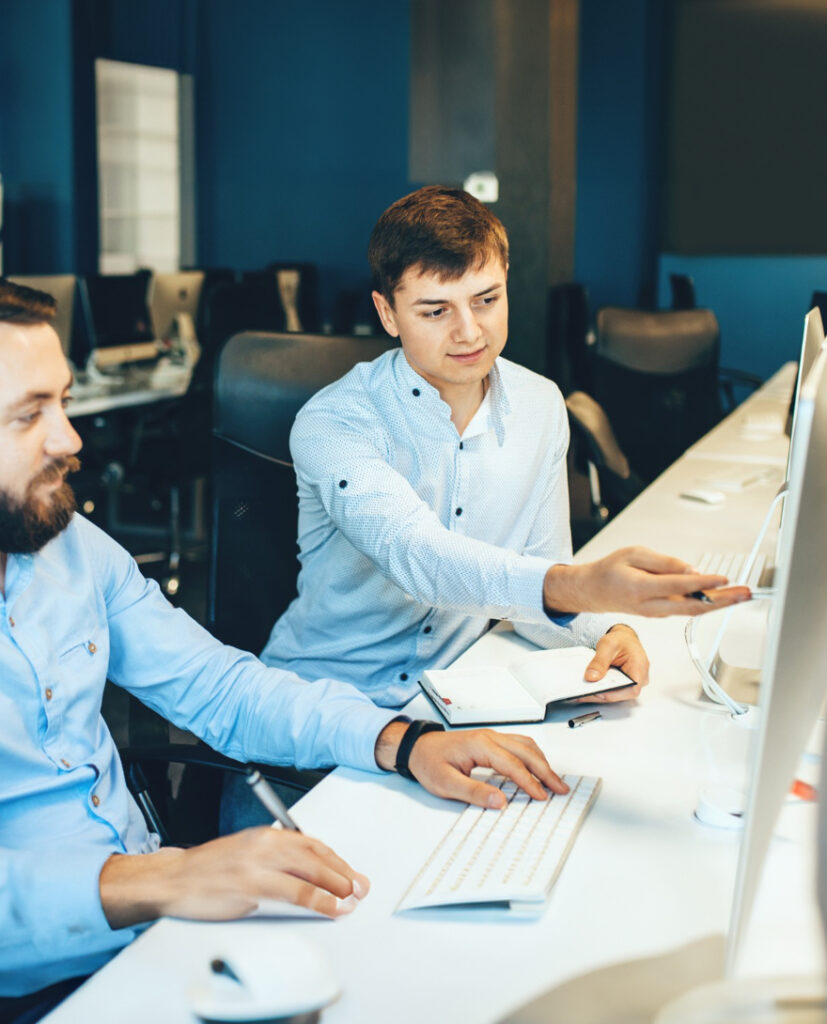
(445, 231)
(22, 305)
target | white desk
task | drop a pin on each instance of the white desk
(89, 400)
(643, 876)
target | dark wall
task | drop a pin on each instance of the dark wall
(748, 133)
(36, 136)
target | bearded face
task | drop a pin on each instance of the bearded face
(27, 525)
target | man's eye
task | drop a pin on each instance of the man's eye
(487, 300)
(434, 314)
(66, 400)
(29, 417)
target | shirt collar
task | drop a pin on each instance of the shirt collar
(414, 387)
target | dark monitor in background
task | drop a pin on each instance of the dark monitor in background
(792, 679)
(296, 286)
(116, 317)
(818, 301)
(62, 288)
(173, 294)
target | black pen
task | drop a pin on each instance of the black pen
(699, 595)
(270, 799)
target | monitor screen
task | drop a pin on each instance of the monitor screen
(116, 309)
(171, 294)
(792, 678)
(62, 288)
(810, 346)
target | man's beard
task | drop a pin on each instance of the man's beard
(25, 526)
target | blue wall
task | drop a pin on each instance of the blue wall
(615, 172)
(36, 135)
(302, 133)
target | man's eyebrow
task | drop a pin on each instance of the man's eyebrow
(443, 302)
(33, 397)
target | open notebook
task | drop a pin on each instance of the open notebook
(519, 692)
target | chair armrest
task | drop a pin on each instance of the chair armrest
(204, 756)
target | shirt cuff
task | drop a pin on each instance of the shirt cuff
(63, 901)
(527, 582)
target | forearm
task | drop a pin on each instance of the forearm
(387, 745)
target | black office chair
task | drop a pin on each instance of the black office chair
(570, 338)
(295, 288)
(819, 299)
(656, 376)
(612, 481)
(261, 382)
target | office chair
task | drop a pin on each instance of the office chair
(261, 382)
(819, 299)
(570, 338)
(612, 481)
(295, 287)
(683, 291)
(656, 377)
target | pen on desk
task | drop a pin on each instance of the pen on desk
(270, 799)
(575, 723)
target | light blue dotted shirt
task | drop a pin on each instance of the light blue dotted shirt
(73, 614)
(413, 538)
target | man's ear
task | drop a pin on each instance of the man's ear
(386, 313)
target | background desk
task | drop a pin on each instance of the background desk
(643, 877)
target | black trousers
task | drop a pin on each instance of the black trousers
(30, 1008)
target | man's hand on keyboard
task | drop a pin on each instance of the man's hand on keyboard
(638, 581)
(621, 648)
(442, 763)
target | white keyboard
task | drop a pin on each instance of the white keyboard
(731, 565)
(511, 856)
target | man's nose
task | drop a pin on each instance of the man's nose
(63, 438)
(467, 326)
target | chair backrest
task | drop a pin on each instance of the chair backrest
(261, 382)
(683, 291)
(656, 376)
(570, 337)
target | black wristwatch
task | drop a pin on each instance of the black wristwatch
(416, 729)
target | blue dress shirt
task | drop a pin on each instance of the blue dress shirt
(413, 538)
(73, 614)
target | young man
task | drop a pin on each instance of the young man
(78, 868)
(432, 484)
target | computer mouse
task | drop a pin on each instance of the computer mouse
(260, 975)
(720, 807)
(704, 495)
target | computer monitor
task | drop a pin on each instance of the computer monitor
(172, 294)
(811, 344)
(792, 678)
(117, 323)
(62, 288)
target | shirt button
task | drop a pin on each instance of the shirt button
(404, 677)
(65, 763)
(461, 446)
(415, 392)
(96, 800)
(91, 647)
(343, 483)
(427, 629)
(48, 693)
(459, 512)
(11, 622)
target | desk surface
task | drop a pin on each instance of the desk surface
(643, 878)
(136, 389)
